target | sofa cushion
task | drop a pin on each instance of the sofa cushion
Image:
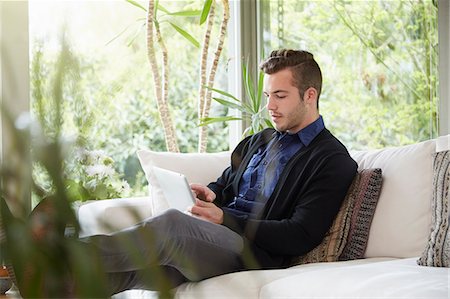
(402, 219)
(248, 284)
(437, 252)
(201, 168)
(110, 215)
(347, 237)
(400, 278)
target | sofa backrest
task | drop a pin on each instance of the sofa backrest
(201, 168)
(402, 219)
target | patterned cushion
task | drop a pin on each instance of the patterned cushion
(347, 237)
(437, 251)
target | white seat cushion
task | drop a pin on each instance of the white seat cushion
(401, 278)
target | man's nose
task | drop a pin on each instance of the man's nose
(270, 103)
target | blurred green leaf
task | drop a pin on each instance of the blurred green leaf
(186, 35)
(186, 13)
(210, 120)
(136, 4)
(205, 11)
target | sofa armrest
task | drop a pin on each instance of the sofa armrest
(109, 215)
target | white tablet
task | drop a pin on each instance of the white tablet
(175, 187)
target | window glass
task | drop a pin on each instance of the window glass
(378, 59)
(108, 102)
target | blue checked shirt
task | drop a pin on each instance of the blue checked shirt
(266, 166)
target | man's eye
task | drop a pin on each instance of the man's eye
(280, 97)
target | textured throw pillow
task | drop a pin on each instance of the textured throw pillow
(437, 251)
(365, 202)
(347, 237)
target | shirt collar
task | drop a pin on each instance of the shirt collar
(308, 133)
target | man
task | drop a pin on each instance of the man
(275, 202)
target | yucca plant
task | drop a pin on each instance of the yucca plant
(47, 261)
(253, 112)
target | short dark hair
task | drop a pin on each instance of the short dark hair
(305, 70)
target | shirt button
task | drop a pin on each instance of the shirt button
(265, 163)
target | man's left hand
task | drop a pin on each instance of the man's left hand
(207, 211)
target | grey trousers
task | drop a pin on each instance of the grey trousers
(167, 250)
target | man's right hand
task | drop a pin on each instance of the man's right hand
(203, 193)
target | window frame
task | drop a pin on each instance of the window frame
(14, 74)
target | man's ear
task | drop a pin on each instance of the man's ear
(310, 96)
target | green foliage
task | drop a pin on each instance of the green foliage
(44, 261)
(252, 109)
(107, 102)
(379, 62)
(88, 174)
(48, 264)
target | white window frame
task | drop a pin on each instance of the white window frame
(14, 72)
(444, 66)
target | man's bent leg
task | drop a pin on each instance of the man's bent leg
(197, 249)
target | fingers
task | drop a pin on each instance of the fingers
(207, 211)
(203, 192)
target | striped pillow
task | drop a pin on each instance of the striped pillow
(437, 251)
(347, 237)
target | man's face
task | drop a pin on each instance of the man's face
(288, 111)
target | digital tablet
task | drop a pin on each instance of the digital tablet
(175, 187)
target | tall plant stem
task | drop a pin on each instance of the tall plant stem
(160, 91)
(204, 67)
(203, 133)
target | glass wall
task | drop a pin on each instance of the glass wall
(378, 59)
(109, 106)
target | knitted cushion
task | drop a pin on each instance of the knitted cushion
(437, 251)
(347, 237)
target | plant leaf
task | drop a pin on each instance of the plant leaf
(136, 35)
(229, 104)
(210, 120)
(260, 88)
(224, 93)
(268, 123)
(163, 9)
(186, 13)
(186, 35)
(136, 4)
(249, 87)
(205, 11)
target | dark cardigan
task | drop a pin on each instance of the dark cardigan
(303, 204)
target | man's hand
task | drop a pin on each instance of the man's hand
(204, 208)
(203, 192)
(207, 211)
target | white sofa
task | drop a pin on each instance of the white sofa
(398, 235)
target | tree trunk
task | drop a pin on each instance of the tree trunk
(203, 132)
(161, 95)
(203, 70)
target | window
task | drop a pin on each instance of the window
(109, 105)
(379, 60)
